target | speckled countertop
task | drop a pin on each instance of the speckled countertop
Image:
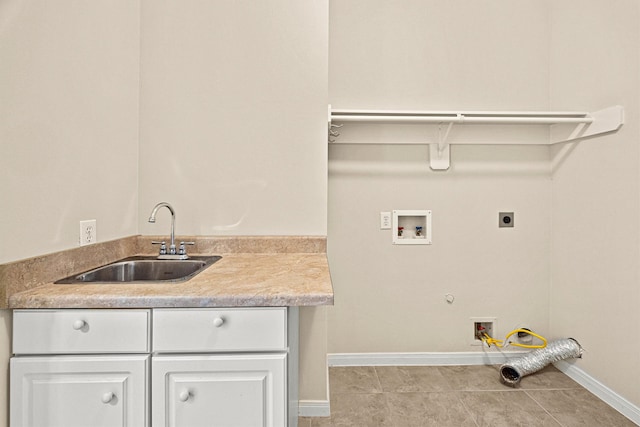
(253, 271)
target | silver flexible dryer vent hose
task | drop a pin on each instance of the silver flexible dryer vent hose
(511, 373)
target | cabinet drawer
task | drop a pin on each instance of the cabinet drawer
(211, 330)
(80, 331)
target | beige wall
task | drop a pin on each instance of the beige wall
(233, 129)
(430, 54)
(313, 353)
(68, 129)
(595, 63)
(233, 116)
(437, 55)
(68, 122)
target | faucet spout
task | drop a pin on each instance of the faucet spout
(152, 219)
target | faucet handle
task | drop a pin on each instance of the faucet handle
(182, 250)
(163, 246)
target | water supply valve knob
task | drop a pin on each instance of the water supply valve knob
(182, 250)
(163, 247)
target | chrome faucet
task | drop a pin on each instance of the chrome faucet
(180, 253)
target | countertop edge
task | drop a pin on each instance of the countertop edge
(309, 276)
(147, 303)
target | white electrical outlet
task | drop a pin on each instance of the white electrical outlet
(88, 232)
(385, 220)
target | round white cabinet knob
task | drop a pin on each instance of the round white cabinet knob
(108, 397)
(184, 395)
(79, 324)
(218, 321)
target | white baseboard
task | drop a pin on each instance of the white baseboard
(314, 408)
(607, 395)
(424, 359)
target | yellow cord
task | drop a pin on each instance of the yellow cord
(500, 343)
(533, 334)
(491, 341)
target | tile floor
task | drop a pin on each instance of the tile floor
(459, 396)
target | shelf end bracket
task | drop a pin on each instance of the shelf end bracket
(603, 121)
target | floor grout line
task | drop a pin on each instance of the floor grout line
(473, 418)
(543, 408)
(384, 395)
(375, 371)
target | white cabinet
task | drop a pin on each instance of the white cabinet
(219, 390)
(79, 391)
(229, 367)
(78, 368)
(232, 367)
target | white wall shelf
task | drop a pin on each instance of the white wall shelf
(576, 125)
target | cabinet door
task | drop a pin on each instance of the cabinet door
(240, 390)
(79, 391)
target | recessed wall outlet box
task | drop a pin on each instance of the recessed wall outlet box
(411, 227)
(505, 219)
(481, 326)
(385, 220)
(88, 232)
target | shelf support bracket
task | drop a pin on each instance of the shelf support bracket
(603, 121)
(440, 152)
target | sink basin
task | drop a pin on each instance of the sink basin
(144, 269)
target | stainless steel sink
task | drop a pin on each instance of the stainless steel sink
(144, 269)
